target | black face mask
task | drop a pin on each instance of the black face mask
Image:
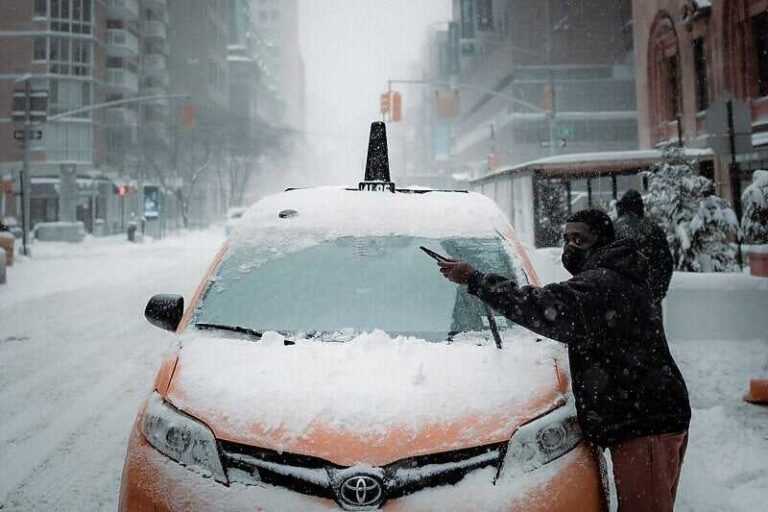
(573, 259)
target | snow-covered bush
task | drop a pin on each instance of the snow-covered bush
(700, 226)
(754, 200)
(552, 212)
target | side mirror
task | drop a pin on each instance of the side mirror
(165, 311)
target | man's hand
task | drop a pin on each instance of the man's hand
(457, 272)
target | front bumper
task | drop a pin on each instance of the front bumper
(153, 483)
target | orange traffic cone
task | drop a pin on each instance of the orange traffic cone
(758, 392)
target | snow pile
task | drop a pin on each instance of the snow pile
(725, 466)
(720, 305)
(370, 385)
(328, 212)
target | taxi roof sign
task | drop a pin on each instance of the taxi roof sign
(377, 164)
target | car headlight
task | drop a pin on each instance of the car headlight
(542, 440)
(182, 438)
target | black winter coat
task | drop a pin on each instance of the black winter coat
(625, 381)
(652, 243)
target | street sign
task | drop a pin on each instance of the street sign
(560, 143)
(717, 125)
(34, 134)
(565, 130)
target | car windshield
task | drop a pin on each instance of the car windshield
(357, 284)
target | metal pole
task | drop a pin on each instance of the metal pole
(457, 85)
(551, 84)
(735, 175)
(26, 181)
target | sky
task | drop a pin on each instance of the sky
(350, 49)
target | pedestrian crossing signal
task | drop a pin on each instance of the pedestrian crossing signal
(397, 107)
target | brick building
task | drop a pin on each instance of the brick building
(690, 53)
(61, 46)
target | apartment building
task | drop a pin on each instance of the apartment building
(277, 22)
(539, 78)
(60, 46)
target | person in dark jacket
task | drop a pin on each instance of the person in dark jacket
(630, 395)
(633, 224)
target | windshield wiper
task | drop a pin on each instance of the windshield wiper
(232, 328)
(242, 330)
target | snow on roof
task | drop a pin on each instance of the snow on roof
(603, 156)
(331, 212)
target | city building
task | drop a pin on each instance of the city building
(692, 54)
(277, 23)
(197, 66)
(60, 47)
(254, 105)
(536, 78)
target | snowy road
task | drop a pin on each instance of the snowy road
(77, 358)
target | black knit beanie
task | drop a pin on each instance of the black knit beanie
(631, 202)
(599, 223)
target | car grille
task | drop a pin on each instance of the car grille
(318, 477)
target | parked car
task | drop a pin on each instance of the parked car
(233, 217)
(324, 363)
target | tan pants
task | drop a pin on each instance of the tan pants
(647, 471)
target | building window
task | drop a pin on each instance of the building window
(70, 57)
(673, 85)
(702, 79)
(467, 19)
(41, 48)
(41, 8)
(71, 16)
(67, 95)
(760, 34)
(485, 15)
(665, 93)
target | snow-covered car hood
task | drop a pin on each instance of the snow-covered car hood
(372, 400)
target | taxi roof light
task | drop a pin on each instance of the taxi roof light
(377, 164)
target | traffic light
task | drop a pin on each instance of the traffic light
(188, 115)
(397, 107)
(546, 98)
(447, 103)
(384, 103)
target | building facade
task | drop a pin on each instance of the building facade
(277, 23)
(539, 78)
(60, 47)
(691, 54)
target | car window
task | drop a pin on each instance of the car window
(353, 283)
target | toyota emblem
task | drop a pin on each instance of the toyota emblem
(361, 491)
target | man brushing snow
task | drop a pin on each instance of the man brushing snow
(630, 395)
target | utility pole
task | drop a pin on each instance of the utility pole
(26, 181)
(550, 83)
(735, 175)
